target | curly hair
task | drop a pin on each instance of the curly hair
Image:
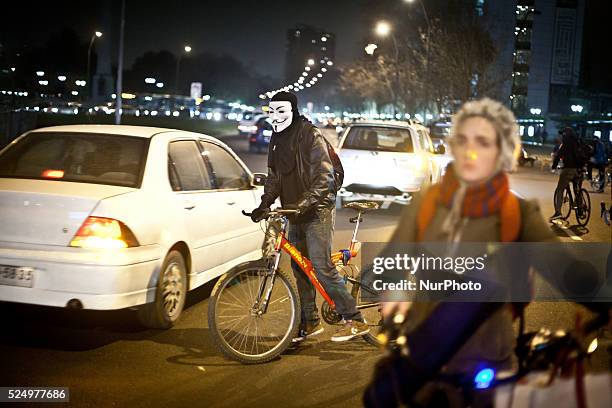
(503, 121)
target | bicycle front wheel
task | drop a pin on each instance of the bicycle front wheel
(240, 328)
(583, 209)
(566, 204)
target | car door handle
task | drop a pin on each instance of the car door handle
(231, 203)
(190, 207)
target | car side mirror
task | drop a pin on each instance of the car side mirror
(440, 149)
(259, 179)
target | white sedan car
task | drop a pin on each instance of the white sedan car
(386, 161)
(110, 217)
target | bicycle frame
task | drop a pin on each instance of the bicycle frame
(282, 244)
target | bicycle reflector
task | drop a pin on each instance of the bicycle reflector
(484, 378)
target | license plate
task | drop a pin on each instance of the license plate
(16, 276)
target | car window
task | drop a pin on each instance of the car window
(227, 172)
(385, 139)
(424, 141)
(187, 170)
(77, 157)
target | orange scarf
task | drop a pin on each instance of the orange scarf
(482, 200)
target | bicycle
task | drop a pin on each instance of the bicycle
(607, 178)
(254, 310)
(576, 198)
(557, 353)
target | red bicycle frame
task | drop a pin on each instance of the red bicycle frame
(304, 264)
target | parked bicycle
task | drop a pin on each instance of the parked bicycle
(254, 310)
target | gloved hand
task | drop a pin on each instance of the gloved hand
(302, 208)
(259, 213)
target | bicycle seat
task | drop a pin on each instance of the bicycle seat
(362, 206)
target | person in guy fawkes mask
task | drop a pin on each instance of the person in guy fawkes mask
(300, 172)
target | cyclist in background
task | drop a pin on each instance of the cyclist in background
(598, 160)
(567, 152)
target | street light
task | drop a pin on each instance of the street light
(95, 35)
(370, 48)
(577, 108)
(187, 49)
(383, 29)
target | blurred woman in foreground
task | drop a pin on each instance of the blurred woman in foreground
(473, 203)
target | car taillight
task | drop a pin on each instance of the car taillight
(56, 174)
(98, 232)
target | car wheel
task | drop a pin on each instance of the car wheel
(170, 294)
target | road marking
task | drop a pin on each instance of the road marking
(567, 231)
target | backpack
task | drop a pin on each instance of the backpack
(338, 169)
(583, 153)
(335, 159)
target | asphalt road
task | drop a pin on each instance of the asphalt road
(107, 359)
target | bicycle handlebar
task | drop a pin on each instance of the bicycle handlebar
(278, 211)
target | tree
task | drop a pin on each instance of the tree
(436, 65)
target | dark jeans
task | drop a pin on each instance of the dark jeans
(314, 239)
(565, 178)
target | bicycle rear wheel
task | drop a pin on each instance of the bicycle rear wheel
(370, 308)
(238, 329)
(566, 204)
(583, 209)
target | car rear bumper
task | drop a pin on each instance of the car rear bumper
(394, 196)
(378, 192)
(97, 279)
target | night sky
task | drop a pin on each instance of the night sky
(252, 31)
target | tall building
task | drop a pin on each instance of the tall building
(545, 57)
(306, 43)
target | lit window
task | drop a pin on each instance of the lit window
(530, 131)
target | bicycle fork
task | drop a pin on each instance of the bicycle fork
(265, 290)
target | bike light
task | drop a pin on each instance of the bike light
(484, 378)
(592, 346)
(103, 233)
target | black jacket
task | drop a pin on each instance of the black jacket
(314, 167)
(567, 152)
